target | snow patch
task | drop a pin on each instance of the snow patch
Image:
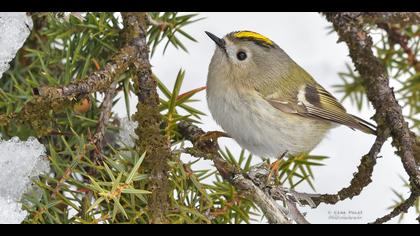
(15, 27)
(20, 163)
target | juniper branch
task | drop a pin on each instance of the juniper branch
(98, 81)
(56, 98)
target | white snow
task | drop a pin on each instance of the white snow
(20, 163)
(15, 27)
(11, 212)
(127, 136)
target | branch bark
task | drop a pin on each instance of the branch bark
(103, 121)
(98, 81)
(148, 116)
(400, 18)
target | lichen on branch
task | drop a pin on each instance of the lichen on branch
(150, 139)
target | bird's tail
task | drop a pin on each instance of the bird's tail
(365, 126)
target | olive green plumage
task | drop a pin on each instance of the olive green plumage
(253, 82)
(315, 102)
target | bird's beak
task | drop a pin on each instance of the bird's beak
(219, 42)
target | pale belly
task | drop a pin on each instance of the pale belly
(262, 129)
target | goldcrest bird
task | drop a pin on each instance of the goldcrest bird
(267, 102)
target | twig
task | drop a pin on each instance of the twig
(98, 81)
(402, 208)
(295, 213)
(104, 116)
(261, 176)
(268, 205)
(361, 179)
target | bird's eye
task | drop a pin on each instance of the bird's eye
(241, 55)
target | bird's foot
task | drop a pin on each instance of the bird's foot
(276, 165)
(212, 136)
(208, 141)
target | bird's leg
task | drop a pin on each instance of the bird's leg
(208, 141)
(282, 155)
(275, 166)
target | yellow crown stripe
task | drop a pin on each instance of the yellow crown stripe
(253, 35)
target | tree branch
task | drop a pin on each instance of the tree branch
(209, 150)
(98, 81)
(361, 179)
(103, 121)
(400, 18)
(402, 208)
(110, 93)
(259, 175)
(349, 27)
(150, 139)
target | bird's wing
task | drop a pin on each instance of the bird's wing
(315, 102)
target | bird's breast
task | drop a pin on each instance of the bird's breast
(259, 127)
